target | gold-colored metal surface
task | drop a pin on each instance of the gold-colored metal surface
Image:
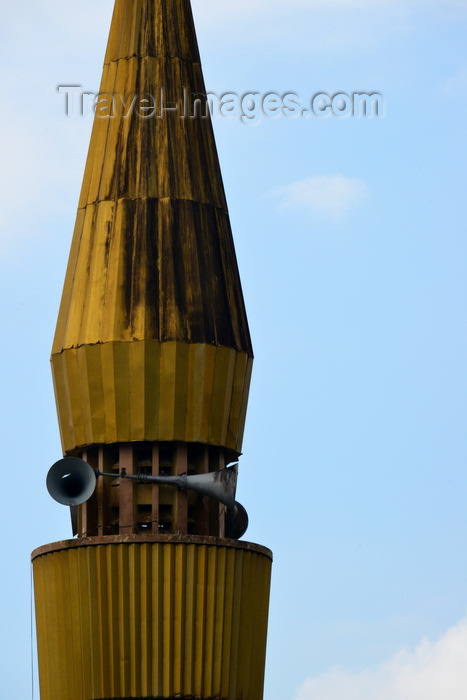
(146, 390)
(152, 304)
(152, 619)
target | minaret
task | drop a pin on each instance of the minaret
(156, 598)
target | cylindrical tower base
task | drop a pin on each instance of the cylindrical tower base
(151, 617)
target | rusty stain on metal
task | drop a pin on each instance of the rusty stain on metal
(139, 539)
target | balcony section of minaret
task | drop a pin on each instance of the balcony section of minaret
(128, 506)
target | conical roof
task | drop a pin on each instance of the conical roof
(152, 339)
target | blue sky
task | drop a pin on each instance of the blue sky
(351, 240)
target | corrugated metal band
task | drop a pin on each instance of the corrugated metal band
(152, 619)
(151, 391)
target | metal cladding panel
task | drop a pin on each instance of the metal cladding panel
(152, 620)
(158, 269)
(146, 390)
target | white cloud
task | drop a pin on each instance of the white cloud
(329, 195)
(432, 671)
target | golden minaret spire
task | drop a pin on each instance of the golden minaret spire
(152, 282)
(156, 598)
